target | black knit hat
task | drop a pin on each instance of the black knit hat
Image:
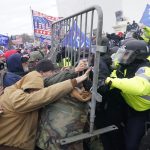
(45, 65)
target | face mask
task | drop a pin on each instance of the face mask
(26, 69)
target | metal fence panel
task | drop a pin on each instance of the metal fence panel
(75, 34)
(72, 38)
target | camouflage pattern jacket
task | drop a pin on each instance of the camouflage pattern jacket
(61, 119)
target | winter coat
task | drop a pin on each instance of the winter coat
(14, 64)
(10, 79)
(18, 123)
(59, 77)
(63, 118)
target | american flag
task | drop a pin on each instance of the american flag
(42, 24)
(39, 14)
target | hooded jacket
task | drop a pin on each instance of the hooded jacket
(10, 79)
(135, 90)
(63, 118)
(18, 124)
(14, 64)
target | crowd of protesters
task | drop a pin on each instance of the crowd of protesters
(41, 102)
(23, 94)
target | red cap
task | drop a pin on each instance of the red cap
(9, 53)
(120, 34)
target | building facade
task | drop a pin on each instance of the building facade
(109, 7)
(69, 7)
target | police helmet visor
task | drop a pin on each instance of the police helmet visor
(118, 55)
(124, 56)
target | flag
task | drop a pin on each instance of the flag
(146, 16)
(4, 40)
(42, 25)
(73, 38)
(16, 39)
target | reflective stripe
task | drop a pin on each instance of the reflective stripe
(146, 97)
(147, 49)
(143, 76)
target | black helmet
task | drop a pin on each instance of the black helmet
(133, 50)
(105, 44)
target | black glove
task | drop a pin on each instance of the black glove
(87, 84)
(103, 87)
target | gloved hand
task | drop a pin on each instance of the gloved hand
(108, 81)
(87, 84)
(104, 85)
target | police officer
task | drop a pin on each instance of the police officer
(133, 81)
(146, 34)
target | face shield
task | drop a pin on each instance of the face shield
(124, 56)
(118, 55)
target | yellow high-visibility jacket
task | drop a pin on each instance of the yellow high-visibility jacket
(136, 90)
(65, 62)
(146, 34)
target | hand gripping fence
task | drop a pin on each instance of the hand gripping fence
(74, 38)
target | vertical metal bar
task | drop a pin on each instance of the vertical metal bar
(76, 46)
(66, 30)
(79, 53)
(69, 42)
(61, 31)
(99, 26)
(96, 68)
(60, 35)
(91, 33)
(31, 11)
(72, 40)
(94, 90)
(66, 25)
(52, 51)
(56, 40)
(85, 35)
(59, 40)
(52, 38)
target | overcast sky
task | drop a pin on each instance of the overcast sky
(133, 9)
(15, 15)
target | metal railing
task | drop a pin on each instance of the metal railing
(72, 37)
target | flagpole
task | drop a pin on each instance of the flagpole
(32, 23)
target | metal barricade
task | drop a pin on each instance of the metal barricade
(72, 38)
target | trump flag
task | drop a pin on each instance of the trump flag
(76, 38)
(4, 40)
(42, 25)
